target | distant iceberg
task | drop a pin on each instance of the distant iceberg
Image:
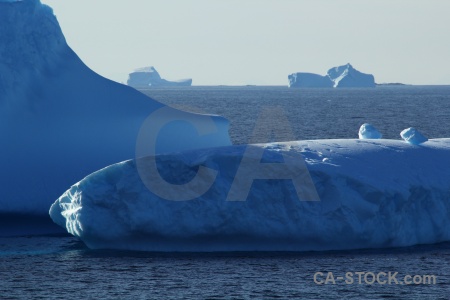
(339, 77)
(60, 121)
(149, 77)
(373, 194)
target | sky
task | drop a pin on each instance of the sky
(261, 42)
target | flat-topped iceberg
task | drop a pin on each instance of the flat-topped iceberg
(339, 77)
(60, 121)
(309, 80)
(373, 194)
(148, 77)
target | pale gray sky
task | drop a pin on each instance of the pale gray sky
(238, 42)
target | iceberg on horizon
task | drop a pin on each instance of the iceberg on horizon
(60, 121)
(148, 77)
(338, 77)
(373, 194)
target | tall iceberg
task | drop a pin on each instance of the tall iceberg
(60, 121)
(348, 77)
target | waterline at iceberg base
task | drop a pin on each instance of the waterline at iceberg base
(373, 194)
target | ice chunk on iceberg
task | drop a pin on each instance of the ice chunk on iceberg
(60, 121)
(374, 193)
(368, 131)
(413, 136)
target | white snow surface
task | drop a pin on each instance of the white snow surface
(60, 121)
(368, 131)
(413, 136)
(373, 194)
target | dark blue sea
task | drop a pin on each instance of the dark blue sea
(61, 267)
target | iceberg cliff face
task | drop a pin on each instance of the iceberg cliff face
(149, 77)
(373, 194)
(339, 77)
(60, 121)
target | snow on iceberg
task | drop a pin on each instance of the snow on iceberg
(413, 136)
(374, 193)
(368, 131)
(60, 121)
(339, 77)
(149, 77)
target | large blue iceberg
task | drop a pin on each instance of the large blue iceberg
(373, 194)
(60, 121)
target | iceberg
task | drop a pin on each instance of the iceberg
(60, 121)
(338, 77)
(373, 194)
(149, 77)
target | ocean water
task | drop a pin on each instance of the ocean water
(60, 267)
(319, 113)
